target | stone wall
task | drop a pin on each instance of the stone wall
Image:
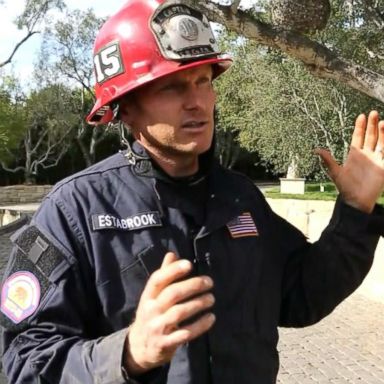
(16, 194)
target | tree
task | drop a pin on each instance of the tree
(5, 114)
(48, 119)
(227, 148)
(276, 109)
(3, 135)
(285, 112)
(11, 115)
(233, 104)
(316, 55)
(32, 17)
(63, 57)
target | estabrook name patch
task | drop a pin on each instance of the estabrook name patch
(130, 223)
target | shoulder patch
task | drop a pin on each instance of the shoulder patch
(34, 267)
(20, 296)
(22, 280)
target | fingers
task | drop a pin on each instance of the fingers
(180, 291)
(359, 132)
(172, 269)
(380, 140)
(179, 313)
(190, 331)
(371, 133)
(329, 162)
(367, 132)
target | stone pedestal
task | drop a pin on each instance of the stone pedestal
(292, 185)
(8, 216)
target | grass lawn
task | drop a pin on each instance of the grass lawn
(312, 192)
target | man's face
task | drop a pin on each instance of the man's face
(173, 116)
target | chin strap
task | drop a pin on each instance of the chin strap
(127, 141)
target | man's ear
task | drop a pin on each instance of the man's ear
(125, 112)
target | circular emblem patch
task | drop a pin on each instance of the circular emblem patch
(20, 296)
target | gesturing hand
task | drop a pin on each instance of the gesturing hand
(165, 304)
(360, 180)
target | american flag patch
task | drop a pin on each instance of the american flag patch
(242, 226)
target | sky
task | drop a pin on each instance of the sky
(9, 34)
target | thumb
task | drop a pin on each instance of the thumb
(328, 161)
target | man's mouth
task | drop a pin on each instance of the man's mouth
(194, 124)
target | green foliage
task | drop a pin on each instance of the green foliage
(51, 109)
(12, 116)
(234, 90)
(48, 118)
(354, 33)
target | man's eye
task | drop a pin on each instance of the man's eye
(205, 81)
(170, 87)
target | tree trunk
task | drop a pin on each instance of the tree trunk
(84, 152)
(29, 178)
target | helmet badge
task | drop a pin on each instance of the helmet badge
(182, 32)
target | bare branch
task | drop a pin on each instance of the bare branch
(17, 46)
(58, 158)
(318, 59)
(37, 145)
(14, 170)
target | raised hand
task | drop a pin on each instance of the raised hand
(167, 302)
(360, 180)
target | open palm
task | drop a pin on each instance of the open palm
(360, 180)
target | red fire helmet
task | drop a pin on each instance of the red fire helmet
(145, 40)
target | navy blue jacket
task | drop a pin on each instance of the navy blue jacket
(100, 233)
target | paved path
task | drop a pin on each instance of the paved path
(345, 347)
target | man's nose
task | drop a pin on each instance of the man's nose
(193, 98)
